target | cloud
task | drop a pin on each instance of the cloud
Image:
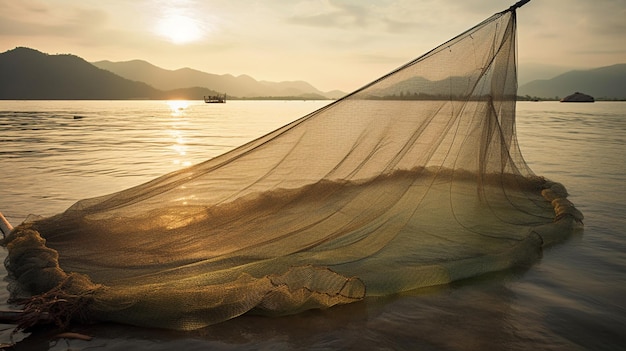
(34, 19)
(336, 14)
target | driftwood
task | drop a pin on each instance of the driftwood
(18, 317)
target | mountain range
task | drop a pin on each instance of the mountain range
(604, 83)
(30, 74)
(241, 86)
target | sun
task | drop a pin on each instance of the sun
(179, 28)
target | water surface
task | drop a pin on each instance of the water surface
(53, 153)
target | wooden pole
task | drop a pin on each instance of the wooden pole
(518, 5)
(5, 226)
(10, 316)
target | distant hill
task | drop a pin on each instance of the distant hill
(602, 83)
(427, 89)
(242, 86)
(528, 72)
(29, 74)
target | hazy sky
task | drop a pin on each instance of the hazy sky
(332, 44)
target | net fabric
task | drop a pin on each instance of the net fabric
(414, 180)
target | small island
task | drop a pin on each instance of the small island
(578, 97)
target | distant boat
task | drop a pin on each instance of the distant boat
(215, 99)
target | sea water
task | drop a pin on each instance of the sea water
(53, 153)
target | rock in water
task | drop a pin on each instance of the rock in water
(578, 97)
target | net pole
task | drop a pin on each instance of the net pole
(518, 5)
(5, 226)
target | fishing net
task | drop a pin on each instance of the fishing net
(414, 180)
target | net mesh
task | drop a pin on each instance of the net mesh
(414, 180)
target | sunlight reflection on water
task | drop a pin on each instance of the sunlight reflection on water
(59, 159)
